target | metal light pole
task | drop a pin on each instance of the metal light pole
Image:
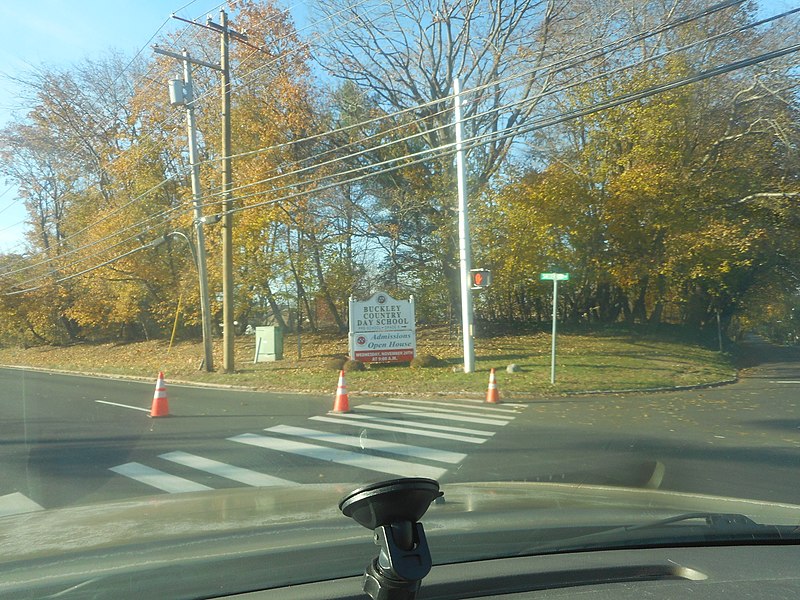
(184, 96)
(555, 278)
(553, 341)
(463, 240)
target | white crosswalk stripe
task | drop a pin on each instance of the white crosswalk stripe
(221, 469)
(159, 479)
(504, 403)
(367, 443)
(342, 457)
(440, 422)
(442, 432)
(434, 404)
(417, 424)
(17, 504)
(443, 414)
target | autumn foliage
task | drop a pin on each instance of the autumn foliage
(676, 204)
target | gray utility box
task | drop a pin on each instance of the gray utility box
(269, 344)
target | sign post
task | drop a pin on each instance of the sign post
(555, 278)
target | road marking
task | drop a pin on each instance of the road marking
(158, 479)
(793, 381)
(431, 414)
(349, 419)
(503, 403)
(499, 419)
(366, 443)
(221, 469)
(344, 457)
(436, 426)
(17, 504)
(123, 405)
(512, 411)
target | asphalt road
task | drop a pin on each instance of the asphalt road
(67, 440)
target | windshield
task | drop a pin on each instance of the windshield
(259, 252)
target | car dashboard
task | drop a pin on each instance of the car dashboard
(709, 572)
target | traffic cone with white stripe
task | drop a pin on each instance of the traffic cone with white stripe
(160, 406)
(341, 403)
(492, 395)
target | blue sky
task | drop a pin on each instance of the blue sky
(60, 32)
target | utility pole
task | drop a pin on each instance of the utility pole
(227, 219)
(226, 33)
(463, 240)
(182, 94)
(227, 178)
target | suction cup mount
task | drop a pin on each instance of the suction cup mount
(392, 510)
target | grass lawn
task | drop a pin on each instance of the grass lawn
(595, 361)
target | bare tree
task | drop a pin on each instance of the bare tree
(406, 54)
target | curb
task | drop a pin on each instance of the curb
(464, 394)
(136, 378)
(674, 388)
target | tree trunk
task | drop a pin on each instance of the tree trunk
(323, 287)
(276, 310)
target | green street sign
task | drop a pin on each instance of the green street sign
(554, 276)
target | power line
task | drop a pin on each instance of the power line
(10, 268)
(433, 152)
(479, 140)
(117, 78)
(80, 273)
(170, 117)
(562, 64)
(108, 215)
(78, 261)
(89, 227)
(536, 99)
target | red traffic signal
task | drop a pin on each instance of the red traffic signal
(480, 278)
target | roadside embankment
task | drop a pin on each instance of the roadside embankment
(588, 362)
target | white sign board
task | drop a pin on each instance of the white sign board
(382, 329)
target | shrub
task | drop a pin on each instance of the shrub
(426, 361)
(335, 362)
(354, 365)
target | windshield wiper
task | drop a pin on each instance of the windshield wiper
(716, 527)
(715, 521)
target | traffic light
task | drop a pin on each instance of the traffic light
(480, 278)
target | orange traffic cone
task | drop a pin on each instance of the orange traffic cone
(492, 395)
(160, 407)
(341, 404)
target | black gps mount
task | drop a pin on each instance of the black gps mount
(392, 509)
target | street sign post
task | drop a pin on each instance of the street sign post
(555, 278)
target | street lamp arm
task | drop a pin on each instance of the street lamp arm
(160, 241)
(188, 241)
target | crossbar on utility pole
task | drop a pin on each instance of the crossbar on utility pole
(184, 57)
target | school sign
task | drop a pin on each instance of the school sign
(382, 329)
